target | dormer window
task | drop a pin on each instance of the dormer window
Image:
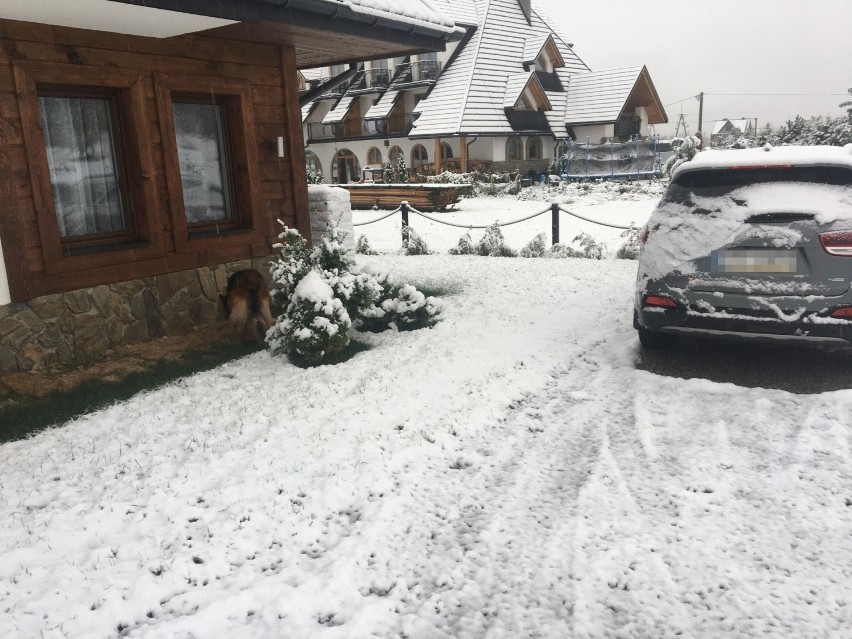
(542, 54)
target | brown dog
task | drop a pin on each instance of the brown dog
(246, 304)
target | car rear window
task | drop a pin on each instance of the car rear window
(717, 182)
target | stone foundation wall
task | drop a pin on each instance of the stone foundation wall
(330, 204)
(77, 327)
(523, 166)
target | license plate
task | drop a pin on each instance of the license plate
(754, 261)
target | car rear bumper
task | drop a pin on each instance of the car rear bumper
(778, 320)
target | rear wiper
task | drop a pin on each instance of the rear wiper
(776, 218)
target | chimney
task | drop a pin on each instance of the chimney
(527, 9)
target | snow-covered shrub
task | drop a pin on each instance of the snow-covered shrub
(589, 247)
(315, 325)
(324, 292)
(448, 177)
(410, 309)
(293, 264)
(492, 243)
(387, 172)
(684, 150)
(362, 246)
(412, 243)
(464, 247)
(536, 247)
(403, 306)
(561, 251)
(630, 249)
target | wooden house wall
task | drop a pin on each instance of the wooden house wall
(278, 187)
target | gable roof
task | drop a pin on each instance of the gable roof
(601, 96)
(468, 98)
(534, 46)
(517, 84)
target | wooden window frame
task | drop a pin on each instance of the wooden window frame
(126, 90)
(243, 165)
(519, 148)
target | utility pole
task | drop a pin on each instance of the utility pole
(700, 97)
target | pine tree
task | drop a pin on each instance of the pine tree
(401, 169)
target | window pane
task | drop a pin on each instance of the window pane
(78, 137)
(200, 132)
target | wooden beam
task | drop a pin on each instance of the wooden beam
(437, 155)
(295, 141)
(463, 156)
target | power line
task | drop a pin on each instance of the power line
(781, 94)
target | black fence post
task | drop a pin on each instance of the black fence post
(554, 229)
(404, 210)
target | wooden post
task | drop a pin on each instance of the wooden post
(404, 210)
(554, 225)
(437, 155)
(295, 143)
(463, 158)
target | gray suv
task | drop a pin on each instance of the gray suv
(753, 244)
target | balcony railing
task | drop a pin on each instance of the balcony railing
(360, 128)
(423, 71)
(371, 79)
(337, 89)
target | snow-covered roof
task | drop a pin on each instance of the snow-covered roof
(461, 12)
(599, 96)
(416, 12)
(515, 86)
(383, 107)
(799, 155)
(469, 95)
(340, 109)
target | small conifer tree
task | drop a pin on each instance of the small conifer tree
(536, 247)
(465, 246)
(401, 169)
(492, 243)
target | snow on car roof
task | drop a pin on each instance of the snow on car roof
(769, 155)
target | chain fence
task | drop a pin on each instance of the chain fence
(554, 209)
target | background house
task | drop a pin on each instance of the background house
(726, 131)
(505, 97)
(147, 148)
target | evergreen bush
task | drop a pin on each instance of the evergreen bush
(536, 247)
(492, 243)
(589, 247)
(401, 169)
(630, 249)
(412, 243)
(362, 246)
(315, 325)
(465, 246)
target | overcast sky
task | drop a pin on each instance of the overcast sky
(721, 47)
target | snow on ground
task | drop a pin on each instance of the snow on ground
(508, 473)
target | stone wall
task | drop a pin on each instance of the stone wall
(330, 204)
(79, 326)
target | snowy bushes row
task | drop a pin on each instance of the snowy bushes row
(493, 244)
(324, 294)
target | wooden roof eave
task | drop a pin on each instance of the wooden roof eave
(655, 110)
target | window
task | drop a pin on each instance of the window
(374, 156)
(85, 163)
(534, 148)
(211, 166)
(201, 136)
(419, 157)
(446, 151)
(87, 146)
(514, 149)
(394, 154)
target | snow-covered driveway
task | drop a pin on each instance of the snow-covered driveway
(508, 473)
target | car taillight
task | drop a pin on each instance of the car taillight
(837, 242)
(660, 301)
(643, 235)
(842, 312)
